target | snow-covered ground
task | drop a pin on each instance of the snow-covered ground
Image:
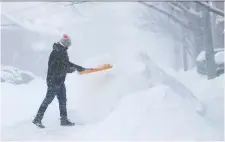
(123, 103)
(112, 107)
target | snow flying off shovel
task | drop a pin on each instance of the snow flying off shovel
(100, 68)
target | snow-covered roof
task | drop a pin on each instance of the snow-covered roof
(44, 18)
(201, 56)
(8, 22)
(50, 18)
(219, 56)
(12, 22)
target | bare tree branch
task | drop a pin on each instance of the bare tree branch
(210, 8)
(77, 2)
(175, 19)
(188, 11)
(173, 7)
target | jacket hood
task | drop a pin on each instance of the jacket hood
(57, 46)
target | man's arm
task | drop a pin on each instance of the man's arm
(70, 67)
(76, 67)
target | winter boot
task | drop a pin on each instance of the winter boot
(66, 122)
(38, 123)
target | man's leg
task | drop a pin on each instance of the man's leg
(62, 106)
(48, 99)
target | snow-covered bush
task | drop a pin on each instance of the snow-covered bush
(15, 76)
(219, 60)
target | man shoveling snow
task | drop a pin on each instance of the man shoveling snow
(58, 66)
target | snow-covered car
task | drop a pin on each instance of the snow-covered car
(15, 76)
(219, 60)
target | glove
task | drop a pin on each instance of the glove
(84, 69)
(80, 69)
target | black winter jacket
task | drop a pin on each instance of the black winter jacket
(59, 65)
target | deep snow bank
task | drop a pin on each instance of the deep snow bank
(154, 114)
(210, 92)
(123, 107)
(95, 95)
(15, 76)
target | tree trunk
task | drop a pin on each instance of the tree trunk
(177, 56)
(185, 48)
(208, 40)
(213, 22)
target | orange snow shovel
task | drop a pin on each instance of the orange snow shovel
(100, 68)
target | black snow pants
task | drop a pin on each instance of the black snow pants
(61, 96)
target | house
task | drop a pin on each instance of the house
(17, 46)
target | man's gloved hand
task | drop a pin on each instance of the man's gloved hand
(80, 69)
(83, 69)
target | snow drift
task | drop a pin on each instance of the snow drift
(15, 76)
